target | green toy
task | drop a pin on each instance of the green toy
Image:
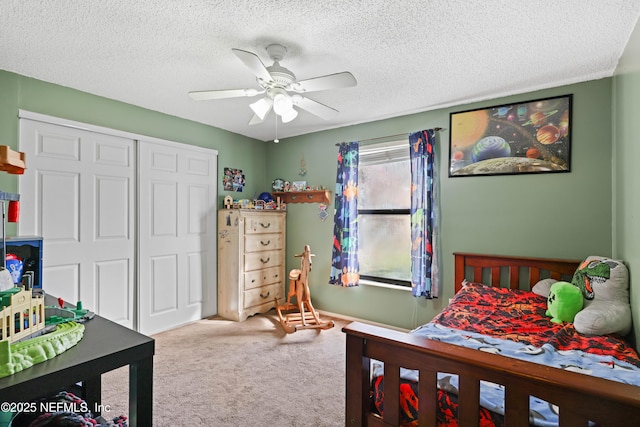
(564, 302)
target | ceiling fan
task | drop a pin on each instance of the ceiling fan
(282, 91)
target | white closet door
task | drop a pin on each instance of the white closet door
(78, 194)
(177, 234)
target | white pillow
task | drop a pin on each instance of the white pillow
(543, 287)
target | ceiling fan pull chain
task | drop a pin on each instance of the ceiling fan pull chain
(276, 140)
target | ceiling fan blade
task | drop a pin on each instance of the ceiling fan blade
(331, 81)
(254, 63)
(221, 94)
(314, 107)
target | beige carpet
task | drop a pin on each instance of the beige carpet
(216, 372)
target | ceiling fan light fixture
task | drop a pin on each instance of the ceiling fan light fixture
(289, 115)
(261, 107)
(282, 104)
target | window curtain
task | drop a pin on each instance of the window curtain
(424, 263)
(345, 270)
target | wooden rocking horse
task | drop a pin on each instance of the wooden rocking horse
(304, 316)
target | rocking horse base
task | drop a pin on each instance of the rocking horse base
(293, 320)
(305, 316)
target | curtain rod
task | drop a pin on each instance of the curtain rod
(389, 136)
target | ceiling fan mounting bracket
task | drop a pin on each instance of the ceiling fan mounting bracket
(276, 52)
(281, 77)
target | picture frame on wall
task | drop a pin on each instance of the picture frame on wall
(233, 180)
(519, 138)
(298, 185)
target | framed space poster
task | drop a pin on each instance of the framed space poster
(525, 137)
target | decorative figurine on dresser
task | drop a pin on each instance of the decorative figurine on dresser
(251, 261)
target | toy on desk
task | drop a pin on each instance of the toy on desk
(299, 288)
(24, 315)
(56, 315)
(30, 333)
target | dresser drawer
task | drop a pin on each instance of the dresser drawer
(263, 223)
(262, 242)
(262, 295)
(262, 260)
(258, 278)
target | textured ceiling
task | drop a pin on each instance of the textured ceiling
(407, 56)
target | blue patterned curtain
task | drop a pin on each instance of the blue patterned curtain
(424, 265)
(345, 270)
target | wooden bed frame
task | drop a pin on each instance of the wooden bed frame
(580, 397)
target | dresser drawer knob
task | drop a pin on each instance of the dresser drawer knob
(265, 244)
(265, 261)
(265, 226)
(265, 296)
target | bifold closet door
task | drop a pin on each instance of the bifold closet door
(177, 234)
(78, 194)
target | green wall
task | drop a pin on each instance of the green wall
(566, 215)
(20, 92)
(626, 178)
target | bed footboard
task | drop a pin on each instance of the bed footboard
(580, 397)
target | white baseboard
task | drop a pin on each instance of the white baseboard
(355, 319)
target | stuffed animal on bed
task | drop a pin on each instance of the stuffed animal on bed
(564, 302)
(605, 285)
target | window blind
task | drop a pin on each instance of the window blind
(384, 152)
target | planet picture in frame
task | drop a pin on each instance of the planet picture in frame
(523, 137)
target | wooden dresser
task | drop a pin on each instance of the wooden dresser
(251, 261)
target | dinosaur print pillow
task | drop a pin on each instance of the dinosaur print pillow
(604, 283)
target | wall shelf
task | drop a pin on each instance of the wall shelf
(311, 196)
(11, 161)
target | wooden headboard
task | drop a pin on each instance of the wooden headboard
(509, 271)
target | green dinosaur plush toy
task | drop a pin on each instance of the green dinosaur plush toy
(564, 302)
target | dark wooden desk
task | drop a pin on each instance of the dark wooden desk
(105, 346)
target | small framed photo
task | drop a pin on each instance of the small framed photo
(298, 185)
(277, 184)
(523, 137)
(233, 180)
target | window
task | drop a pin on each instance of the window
(384, 223)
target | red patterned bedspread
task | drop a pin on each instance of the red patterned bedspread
(520, 316)
(514, 315)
